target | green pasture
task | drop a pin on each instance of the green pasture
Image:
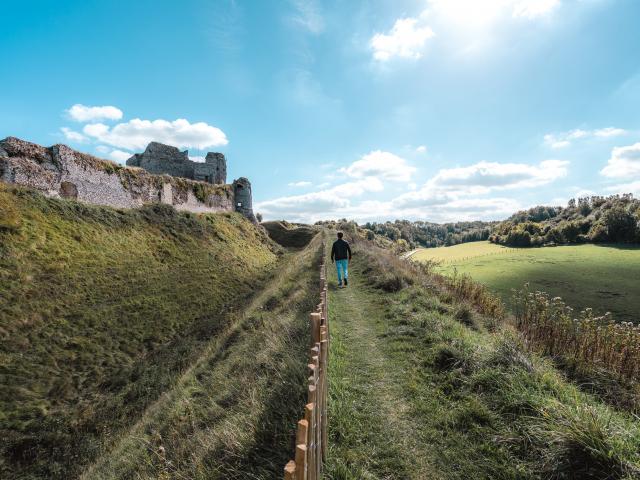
(605, 278)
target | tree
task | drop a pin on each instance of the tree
(621, 225)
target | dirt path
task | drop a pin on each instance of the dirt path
(372, 433)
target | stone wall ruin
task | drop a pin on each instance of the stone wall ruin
(60, 171)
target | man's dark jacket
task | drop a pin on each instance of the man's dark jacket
(340, 250)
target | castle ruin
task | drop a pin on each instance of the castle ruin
(161, 174)
(165, 159)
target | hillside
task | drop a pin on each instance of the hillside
(101, 311)
(289, 235)
(424, 385)
(614, 219)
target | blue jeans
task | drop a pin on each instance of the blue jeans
(342, 267)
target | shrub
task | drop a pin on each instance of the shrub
(621, 224)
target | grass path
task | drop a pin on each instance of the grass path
(372, 433)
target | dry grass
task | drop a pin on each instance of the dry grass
(592, 342)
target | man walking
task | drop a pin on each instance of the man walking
(341, 253)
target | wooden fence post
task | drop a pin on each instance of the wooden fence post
(324, 390)
(317, 439)
(315, 327)
(311, 411)
(311, 435)
(290, 471)
(301, 462)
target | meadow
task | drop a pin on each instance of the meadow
(602, 277)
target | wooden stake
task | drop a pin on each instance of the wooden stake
(324, 395)
(301, 462)
(310, 410)
(290, 471)
(303, 432)
(315, 327)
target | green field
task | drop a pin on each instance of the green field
(605, 278)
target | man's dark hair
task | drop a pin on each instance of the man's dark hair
(340, 234)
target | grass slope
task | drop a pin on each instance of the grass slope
(100, 312)
(233, 413)
(290, 235)
(601, 277)
(421, 389)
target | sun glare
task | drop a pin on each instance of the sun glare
(469, 13)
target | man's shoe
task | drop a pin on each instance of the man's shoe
(339, 284)
(346, 282)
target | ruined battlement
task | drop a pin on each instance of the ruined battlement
(165, 159)
(60, 171)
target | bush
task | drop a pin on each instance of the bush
(621, 225)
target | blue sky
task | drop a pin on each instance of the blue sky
(424, 109)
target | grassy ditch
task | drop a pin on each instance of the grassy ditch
(423, 386)
(233, 413)
(101, 310)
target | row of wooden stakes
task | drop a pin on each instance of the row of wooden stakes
(311, 434)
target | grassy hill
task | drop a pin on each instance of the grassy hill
(290, 235)
(602, 277)
(424, 386)
(596, 219)
(101, 311)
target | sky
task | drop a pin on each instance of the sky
(436, 110)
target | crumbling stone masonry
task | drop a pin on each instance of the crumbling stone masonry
(165, 159)
(60, 171)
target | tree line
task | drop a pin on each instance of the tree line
(595, 219)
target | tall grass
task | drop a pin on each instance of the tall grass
(475, 293)
(589, 340)
(479, 404)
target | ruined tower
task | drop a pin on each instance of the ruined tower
(242, 198)
(219, 167)
(165, 159)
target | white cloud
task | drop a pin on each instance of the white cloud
(379, 164)
(532, 9)
(624, 162)
(136, 134)
(452, 194)
(609, 132)
(565, 139)
(307, 15)
(119, 156)
(421, 149)
(83, 113)
(197, 158)
(632, 187)
(584, 192)
(318, 204)
(484, 177)
(72, 135)
(102, 149)
(473, 14)
(405, 40)
(299, 184)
